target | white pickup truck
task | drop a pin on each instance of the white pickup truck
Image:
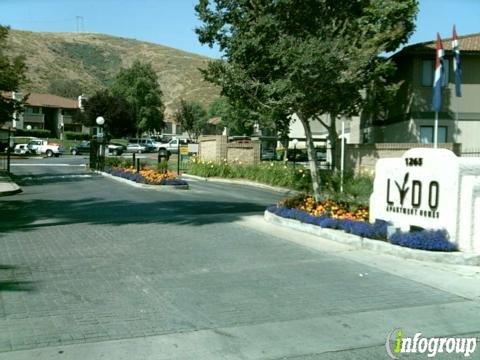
(40, 147)
(172, 145)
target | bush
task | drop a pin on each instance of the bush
(118, 162)
(71, 135)
(40, 133)
(271, 173)
(433, 240)
(356, 189)
(163, 166)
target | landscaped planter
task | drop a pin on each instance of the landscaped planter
(432, 240)
(148, 177)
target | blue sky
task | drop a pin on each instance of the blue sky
(171, 22)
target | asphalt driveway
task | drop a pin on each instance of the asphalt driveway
(90, 268)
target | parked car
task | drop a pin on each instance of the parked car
(39, 146)
(81, 148)
(148, 144)
(116, 149)
(21, 149)
(268, 154)
(135, 148)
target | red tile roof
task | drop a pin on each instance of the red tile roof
(47, 100)
(469, 42)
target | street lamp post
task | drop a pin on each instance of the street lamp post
(101, 138)
(295, 142)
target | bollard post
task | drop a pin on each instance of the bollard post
(138, 165)
(133, 159)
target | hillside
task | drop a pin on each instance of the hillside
(92, 60)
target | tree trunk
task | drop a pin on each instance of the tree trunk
(285, 142)
(333, 137)
(312, 158)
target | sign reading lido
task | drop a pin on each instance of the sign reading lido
(430, 189)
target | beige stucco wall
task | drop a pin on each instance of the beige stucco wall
(216, 148)
(362, 158)
(245, 153)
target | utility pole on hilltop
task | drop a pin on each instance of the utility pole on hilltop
(80, 25)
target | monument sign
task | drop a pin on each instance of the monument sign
(430, 189)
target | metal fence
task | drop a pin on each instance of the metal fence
(471, 152)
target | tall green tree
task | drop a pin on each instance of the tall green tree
(138, 84)
(303, 57)
(12, 76)
(192, 117)
(235, 117)
(117, 112)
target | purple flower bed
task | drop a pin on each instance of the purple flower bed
(424, 240)
(433, 240)
(140, 179)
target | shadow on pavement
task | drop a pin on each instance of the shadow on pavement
(25, 215)
(49, 178)
(7, 284)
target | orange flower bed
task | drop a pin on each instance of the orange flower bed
(334, 209)
(152, 176)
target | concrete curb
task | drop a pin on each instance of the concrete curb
(7, 186)
(143, 186)
(357, 242)
(243, 182)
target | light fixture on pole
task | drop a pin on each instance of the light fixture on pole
(101, 154)
(100, 122)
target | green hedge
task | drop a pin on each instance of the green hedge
(272, 173)
(71, 135)
(40, 133)
(356, 189)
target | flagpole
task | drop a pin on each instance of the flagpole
(435, 131)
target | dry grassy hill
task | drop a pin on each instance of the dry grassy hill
(93, 60)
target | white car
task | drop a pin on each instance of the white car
(135, 148)
(21, 149)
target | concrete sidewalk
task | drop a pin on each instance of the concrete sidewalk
(7, 186)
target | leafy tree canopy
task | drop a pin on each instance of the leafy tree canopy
(236, 117)
(117, 112)
(192, 117)
(12, 75)
(139, 86)
(308, 57)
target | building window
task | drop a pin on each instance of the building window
(168, 128)
(428, 72)
(32, 110)
(178, 129)
(426, 134)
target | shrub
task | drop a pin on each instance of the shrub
(163, 166)
(271, 173)
(118, 162)
(71, 135)
(433, 240)
(40, 133)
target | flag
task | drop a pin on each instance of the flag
(438, 78)
(457, 68)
